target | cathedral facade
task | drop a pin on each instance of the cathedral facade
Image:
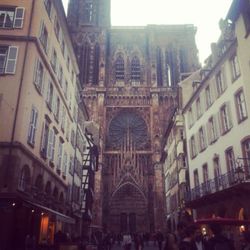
(129, 77)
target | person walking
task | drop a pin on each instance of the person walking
(159, 238)
(219, 241)
(171, 242)
(188, 242)
(127, 241)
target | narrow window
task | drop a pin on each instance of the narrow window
(225, 118)
(32, 126)
(59, 156)
(198, 108)
(190, 117)
(246, 155)
(19, 17)
(50, 94)
(56, 28)
(192, 146)
(208, 97)
(51, 145)
(212, 129)
(48, 6)
(135, 70)
(240, 106)
(219, 84)
(235, 67)
(206, 184)
(8, 59)
(119, 69)
(54, 60)
(217, 173)
(44, 37)
(44, 144)
(230, 160)
(202, 139)
(60, 75)
(65, 164)
(196, 183)
(39, 74)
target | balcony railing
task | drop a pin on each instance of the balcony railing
(219, 183)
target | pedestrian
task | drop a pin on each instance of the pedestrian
(127, 241)
(199, 241)
(138, 239)
(246, 238)
(171, 241)
(188, 242)
(159, 238)
(219, 241)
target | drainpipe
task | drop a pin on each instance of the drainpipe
(6, 181)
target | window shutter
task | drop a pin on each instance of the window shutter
(209, 134)
(35, 124)
(230, 121)
(43, 139)
(223, 78)
(65, 161)
(11, 60)
(50, 143)
(32, 115)
(219, 123)
(19, 17)
(35, 71)
(205, 136)
(54, 104)
(53, 148)
(48, 91)
(43, 83)
(197, 143)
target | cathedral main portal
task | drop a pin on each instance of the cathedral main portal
(127, 172)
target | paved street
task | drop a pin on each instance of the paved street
(149, 246)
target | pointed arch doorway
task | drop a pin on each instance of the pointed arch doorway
(128, 210)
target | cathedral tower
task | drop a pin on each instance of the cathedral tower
(129, 77)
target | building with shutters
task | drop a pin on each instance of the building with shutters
(217, 124)
(42, 135)
(129, 77)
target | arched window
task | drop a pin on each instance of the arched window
(24, 179)
(119, 69)
(135, 69)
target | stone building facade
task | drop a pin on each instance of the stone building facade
(129, 77)
(42, 136)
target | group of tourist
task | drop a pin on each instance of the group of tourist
(185, 238)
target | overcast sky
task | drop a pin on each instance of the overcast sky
(205, 15)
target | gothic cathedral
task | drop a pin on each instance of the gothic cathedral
(129, 77)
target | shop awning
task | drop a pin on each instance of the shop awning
(59, 216)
